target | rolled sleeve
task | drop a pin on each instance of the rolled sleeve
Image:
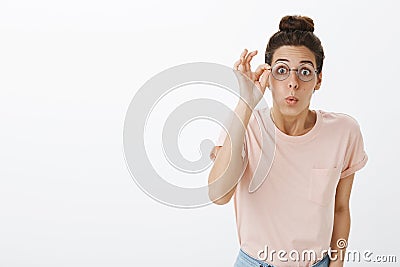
(356, 157)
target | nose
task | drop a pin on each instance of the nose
(293, 80)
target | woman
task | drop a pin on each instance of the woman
(301, 209)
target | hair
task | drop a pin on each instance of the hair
(296, 31)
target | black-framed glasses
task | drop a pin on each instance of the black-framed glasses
(305, 72)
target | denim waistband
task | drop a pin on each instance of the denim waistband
(247, 258)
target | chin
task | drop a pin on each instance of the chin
(291, 110)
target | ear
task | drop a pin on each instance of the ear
(319, 81)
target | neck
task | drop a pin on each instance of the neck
(294, 125)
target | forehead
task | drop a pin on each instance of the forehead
(294, 55)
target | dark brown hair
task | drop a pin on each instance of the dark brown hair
(296, 31)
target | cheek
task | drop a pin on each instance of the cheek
(308, 87)
(276, 85)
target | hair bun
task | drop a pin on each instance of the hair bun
(292, 23)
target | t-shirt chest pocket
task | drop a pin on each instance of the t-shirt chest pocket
(323, 184)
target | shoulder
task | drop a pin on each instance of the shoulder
(339, 120)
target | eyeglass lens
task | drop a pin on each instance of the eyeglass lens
(281, 71)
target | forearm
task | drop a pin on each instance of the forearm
(341, 230)
(229, 165)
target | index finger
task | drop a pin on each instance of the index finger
(250, 57)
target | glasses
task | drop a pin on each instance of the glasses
(305, 72)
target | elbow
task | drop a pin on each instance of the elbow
(220, 201)
(342, 209)
(216, 199)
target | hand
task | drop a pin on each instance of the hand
(247, 79)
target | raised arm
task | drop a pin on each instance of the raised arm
(228, 162)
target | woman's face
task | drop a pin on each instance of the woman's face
(293, 56)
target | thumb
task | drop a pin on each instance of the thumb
(264, 78)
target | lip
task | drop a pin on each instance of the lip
(291, 100)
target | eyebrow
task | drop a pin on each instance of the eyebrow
(303, 61)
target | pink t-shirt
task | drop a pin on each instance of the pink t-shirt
(285, 199)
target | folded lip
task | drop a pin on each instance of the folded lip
(292, 98)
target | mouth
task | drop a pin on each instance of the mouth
(291, 100)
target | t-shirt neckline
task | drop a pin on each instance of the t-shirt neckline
(296, 138)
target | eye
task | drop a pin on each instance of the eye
(305, 72)
(281, 70)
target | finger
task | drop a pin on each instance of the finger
(264, 78)
(236, 65)
(248, 59)
(243, 58)
(243, 55)
(260, 70)
(251, 55)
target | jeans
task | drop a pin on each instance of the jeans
(245, 260)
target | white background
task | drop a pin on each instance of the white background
(68, 71)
